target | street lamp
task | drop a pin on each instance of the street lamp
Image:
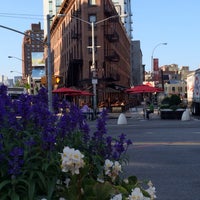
(152, 63)
(93, 67)
(16, 72)
(16, 58)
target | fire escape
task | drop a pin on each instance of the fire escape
(110, 54)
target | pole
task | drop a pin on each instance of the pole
(49, 71)
(93, 69)
(152, 61)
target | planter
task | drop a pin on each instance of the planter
(171, 114)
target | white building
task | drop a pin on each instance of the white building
(50, 7)
(123, 7)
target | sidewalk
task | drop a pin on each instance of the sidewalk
(135, 113)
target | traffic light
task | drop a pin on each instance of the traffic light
(43, 80)
(57, 80)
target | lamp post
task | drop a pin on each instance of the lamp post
(49, 69)
(93, 66)
(152, 63)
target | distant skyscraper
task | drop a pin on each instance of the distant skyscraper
(50, 7)
(123, 7)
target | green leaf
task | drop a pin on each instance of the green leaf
(103, 190)
(4, 183)
(31, 190)
(15, 196)
(51, 187)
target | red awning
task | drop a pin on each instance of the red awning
(143, 89)
(65, 90)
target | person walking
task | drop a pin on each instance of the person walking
(149, 109)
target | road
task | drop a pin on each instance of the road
(165, 151)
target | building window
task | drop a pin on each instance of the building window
(180, 89)
(92, 2)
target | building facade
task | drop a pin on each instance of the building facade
(123, 7)
(50, 7)
(136, 61)
(71, 53)
(32, 45)
(33, 63)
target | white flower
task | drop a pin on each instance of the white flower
(112, 169)
(107, 166)
(136, 194)
(126, 181)
(67, 180)
(100, 180)
(72, 160)
(117, 197)
(117, 168)
(61, 198)
(151, 190)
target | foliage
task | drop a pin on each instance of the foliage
(55, 156)
(173, 102)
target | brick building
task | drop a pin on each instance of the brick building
(32, 44)
(33, 65)
(71, 55)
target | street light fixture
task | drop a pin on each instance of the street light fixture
(152, 63)
(93, 67)
(152, 58)
(16, 58)
(16, 72)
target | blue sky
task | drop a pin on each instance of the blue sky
(17, 15)
(175, 22)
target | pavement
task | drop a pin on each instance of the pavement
(135, 113)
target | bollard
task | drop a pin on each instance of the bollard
(122, 119)
(186, 115)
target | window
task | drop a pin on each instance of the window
(92, 2)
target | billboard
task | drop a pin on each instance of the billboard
(37, 59)
(38, 72)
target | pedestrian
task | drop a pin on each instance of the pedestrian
(149, 109)
(85, 110)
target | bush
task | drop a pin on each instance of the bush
(172, 102)
(175, 100)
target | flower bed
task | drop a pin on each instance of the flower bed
(46, 156)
